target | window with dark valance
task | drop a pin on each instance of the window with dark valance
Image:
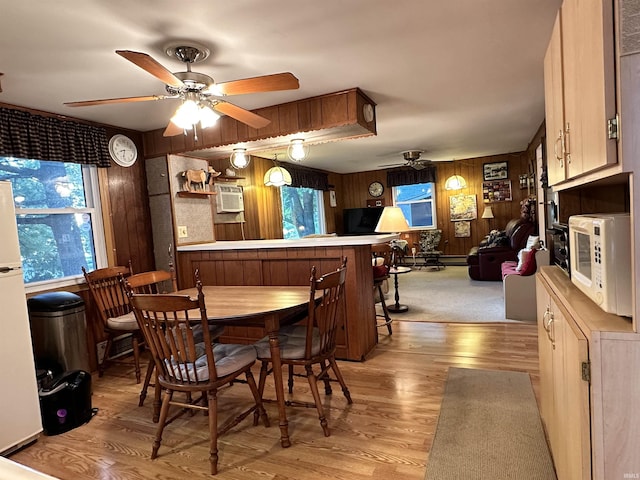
(307, 177)
(30, 136)
(411, 176)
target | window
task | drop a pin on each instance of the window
(59, 222)
(302, 212)
(417, 203)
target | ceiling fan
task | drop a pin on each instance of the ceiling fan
(412, 159)
(199, 93)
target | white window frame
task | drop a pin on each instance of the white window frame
(321, 210)
(92, 195)
(432, 201)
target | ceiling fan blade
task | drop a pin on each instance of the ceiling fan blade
(172, 130)
(88, 103)
(148, 64)
(264, 83)
(393, 165)
(242, 115)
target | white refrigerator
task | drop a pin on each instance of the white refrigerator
(20, 421)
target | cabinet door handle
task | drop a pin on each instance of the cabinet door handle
(550, 333)
(559, 143)
(545, 319)
(567, 144)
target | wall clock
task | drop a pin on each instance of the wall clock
(123, 150)
(376, 189)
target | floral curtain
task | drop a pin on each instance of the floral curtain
(26, 135)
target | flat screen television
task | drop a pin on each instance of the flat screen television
(361, 221)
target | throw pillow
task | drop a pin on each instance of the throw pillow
(533, 241)
(522, 255)
(529, 266)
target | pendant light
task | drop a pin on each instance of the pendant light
(277, 176)
(455, 181)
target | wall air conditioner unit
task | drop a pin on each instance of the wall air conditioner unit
(229, 199)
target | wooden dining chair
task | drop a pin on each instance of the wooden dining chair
(382, 258)
(314, 344)
(114, 309)
(152, 283)
(185, 365)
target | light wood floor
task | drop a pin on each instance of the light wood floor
(386, 433)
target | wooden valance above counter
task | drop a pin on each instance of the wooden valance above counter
(289, 262)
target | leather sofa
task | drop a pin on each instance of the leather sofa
(484, 261)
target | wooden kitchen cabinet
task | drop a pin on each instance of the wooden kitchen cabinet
(589, 389)
(580, 100)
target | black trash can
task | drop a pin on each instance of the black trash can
(58, 329)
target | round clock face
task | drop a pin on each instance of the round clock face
(376, 189)
(123, 150)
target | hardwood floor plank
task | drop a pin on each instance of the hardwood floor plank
(386, 433)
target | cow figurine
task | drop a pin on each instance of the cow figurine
(194, 179)
(211, 175)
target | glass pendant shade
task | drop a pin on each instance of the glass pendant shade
(208, 117)
(297, 150)
(186, 115)
(455, 182)
(277, 177)
(240, 158)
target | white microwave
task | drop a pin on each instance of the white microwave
(600, 259)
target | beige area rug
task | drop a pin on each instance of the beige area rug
(447, 295)
(489, 428)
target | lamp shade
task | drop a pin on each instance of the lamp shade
(488, 213)
(277, 176)
(392, 220)
(455, 182)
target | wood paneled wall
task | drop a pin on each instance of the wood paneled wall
(264, 218)
(355, 194)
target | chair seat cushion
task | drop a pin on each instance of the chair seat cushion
(229, 358)
(125, 322)
(291, 346)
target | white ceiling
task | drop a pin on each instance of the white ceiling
(456, 78)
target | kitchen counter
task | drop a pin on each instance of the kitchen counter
(289, 262)
(328, 240)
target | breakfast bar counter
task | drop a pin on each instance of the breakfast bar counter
(289, 262)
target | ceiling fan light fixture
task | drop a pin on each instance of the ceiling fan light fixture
(455, 182)
(240, 158)
(298, 150)
(187, 114)
(208, 117)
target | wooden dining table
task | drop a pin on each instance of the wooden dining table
(258, 306)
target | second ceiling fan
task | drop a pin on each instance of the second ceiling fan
(202, 98)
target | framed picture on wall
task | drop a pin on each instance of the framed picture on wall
(462, 207)
(462, 228)
(495, 171)
(496, 191)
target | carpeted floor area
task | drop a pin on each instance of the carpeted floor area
(489, 428)
(447, 295)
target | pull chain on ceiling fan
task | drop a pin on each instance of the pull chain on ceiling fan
(200, 94)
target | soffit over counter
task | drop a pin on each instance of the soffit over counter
(326, 118)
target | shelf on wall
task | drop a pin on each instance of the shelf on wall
(195, 194)
(227, 178)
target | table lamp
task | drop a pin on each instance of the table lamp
(392, 220)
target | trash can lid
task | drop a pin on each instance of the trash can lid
(54, 302)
